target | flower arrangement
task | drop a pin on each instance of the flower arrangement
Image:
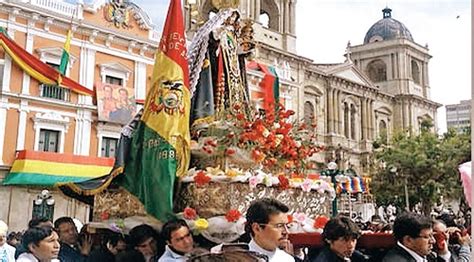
(270, 139)
(196, 224)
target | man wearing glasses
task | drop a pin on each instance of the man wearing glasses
(179, 241)
(414, 236)
(267, 224)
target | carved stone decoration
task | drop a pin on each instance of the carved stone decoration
(117, 204)
(216, 199)
(117, 12)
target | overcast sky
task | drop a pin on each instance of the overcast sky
(323, 28)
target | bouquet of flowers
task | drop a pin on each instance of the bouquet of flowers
(269, 139)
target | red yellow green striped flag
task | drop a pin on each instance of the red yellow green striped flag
(49, 169)
(160, 146)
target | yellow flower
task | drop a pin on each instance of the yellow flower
(201, 224)
(233, 173)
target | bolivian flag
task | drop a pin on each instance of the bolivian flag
(160, 146)
(49, 169)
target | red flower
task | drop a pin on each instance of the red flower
(201, 178)
(290, 218)
(104, 215)
(229, 151)
(257, 155)
(189, 213)
(320, 222)
(240, 116)
(284, 182)
(236, 107)
(211, 142)
(233, 215)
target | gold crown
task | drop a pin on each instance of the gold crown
(221, 4)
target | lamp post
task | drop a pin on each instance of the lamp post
(405, 185)
(333, 172)
(43, 205)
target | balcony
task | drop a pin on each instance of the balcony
(55, 92)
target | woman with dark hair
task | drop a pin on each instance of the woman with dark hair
(41, 245)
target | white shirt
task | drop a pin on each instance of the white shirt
(170, 256)
(277, 255)
(8, 251)
(28, 257)
(415, 255)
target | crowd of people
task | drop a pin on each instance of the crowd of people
(418, 238)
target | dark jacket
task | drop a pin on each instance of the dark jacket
(69, 254)
(101, 255)
(326, 255)
(398, 254)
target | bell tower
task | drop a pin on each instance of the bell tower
(392, 59)
(274, 20)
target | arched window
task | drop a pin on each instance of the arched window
(346, 120)
(415, 72)
(270, 8)
(353, 121)
(377, 71)
(264, 19)
(308, 114)
(383, 131)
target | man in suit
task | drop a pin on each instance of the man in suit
(414, 235)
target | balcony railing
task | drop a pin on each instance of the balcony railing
(55, 92)
(65, 8)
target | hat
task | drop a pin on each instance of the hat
(3, 228)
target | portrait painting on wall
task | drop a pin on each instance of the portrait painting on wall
(115, 103)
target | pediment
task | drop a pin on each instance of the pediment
(115, 66)
(353, 75)
(55, 52)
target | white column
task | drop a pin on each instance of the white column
(3, 124)
(20, 142)
(7, 71)
(86, 132)
(82, 132)
(25, 89)
(257, 10)
(330, 111)
(292, 17)
(363, 125)
(78, 134)
(140, 80)
(86, 73)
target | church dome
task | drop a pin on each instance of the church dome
(387, 28)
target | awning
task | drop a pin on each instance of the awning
(50, 169)
(36, 68)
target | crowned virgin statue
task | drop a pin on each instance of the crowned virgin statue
(217, 65)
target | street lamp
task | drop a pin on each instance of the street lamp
(43, 205)
(332, 171)
(407, 199)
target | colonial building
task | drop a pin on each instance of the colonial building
(112, 43)
(383, 84)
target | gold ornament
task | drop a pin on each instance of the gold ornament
(222, 4)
